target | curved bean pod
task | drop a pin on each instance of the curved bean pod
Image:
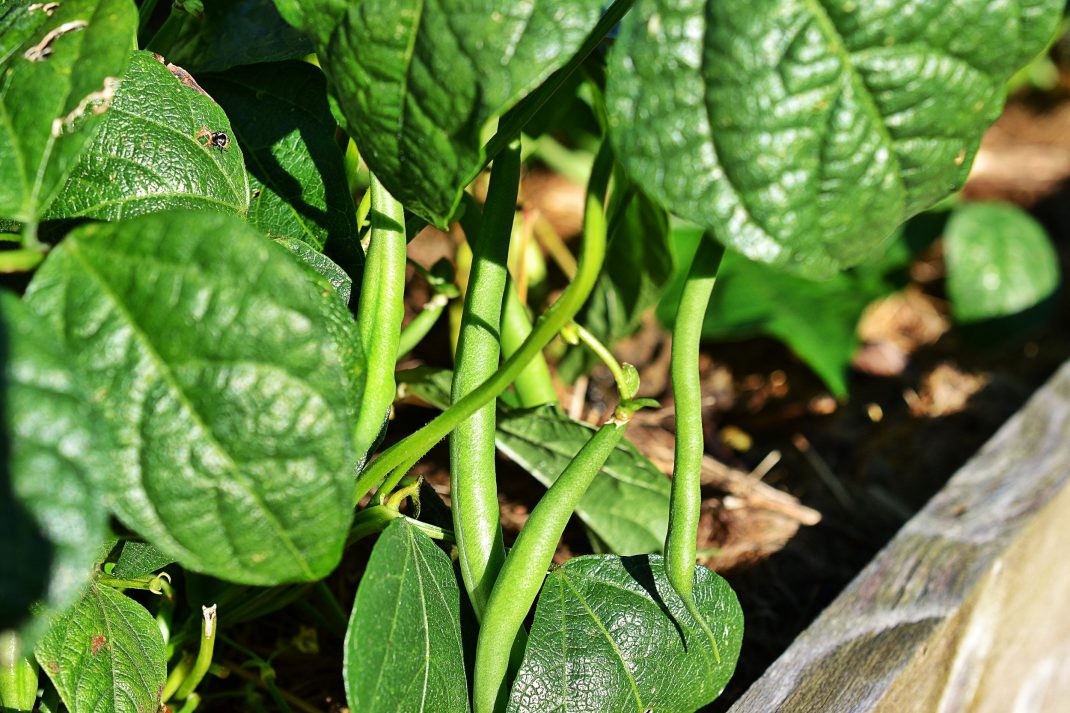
(525, 568)
(685, 499)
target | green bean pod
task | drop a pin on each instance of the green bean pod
(381, 310)
(524, 570)
(534, 386)
(422, 324)
(686, 498)
(473, 484)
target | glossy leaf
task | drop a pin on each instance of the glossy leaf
(105, 655)
(802, 132)
(418, 80)
(139, 559)
(610, 634)
(280, 116)
(153, 153)
(53, 519)
(321, 265)
(58, 74)
(1000, 262)
(227, 34)
(231, 377)
(403, 648)
(627, 504)
(638, 266)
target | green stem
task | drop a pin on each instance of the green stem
(371, 520)
(473, 484)
(534, 386)
(411, 490)
(414, 332)
(29, 236)
(686, 497)
(573, 165)
(375, 518)
(276, 695)
(555, 247)
(625, 375)
(151, 583)
(209, 627)
(525, 568)
(433, 531)
(381, 310)
(396, 460)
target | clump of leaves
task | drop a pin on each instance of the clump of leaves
(202, 338)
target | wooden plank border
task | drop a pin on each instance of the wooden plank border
(968, 607)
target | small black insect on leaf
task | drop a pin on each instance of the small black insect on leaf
(215, 139)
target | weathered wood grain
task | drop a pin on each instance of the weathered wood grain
(968, 608)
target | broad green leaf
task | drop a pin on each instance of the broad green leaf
(1000, 262)
(610, 634)
(403, 648)
(52, 449)
(152, 153)
(105, 655)
(627, 505)
(139, 559)
(18, 676)
(280, 117)
(58, 74)
(227, 34)
(418, 80)
(802, 132)
(321, 265)
(428, 384)
(231, 379)
(638, 265)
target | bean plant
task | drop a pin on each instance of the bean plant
(206, 211)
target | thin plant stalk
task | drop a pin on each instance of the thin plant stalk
(624, 374)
